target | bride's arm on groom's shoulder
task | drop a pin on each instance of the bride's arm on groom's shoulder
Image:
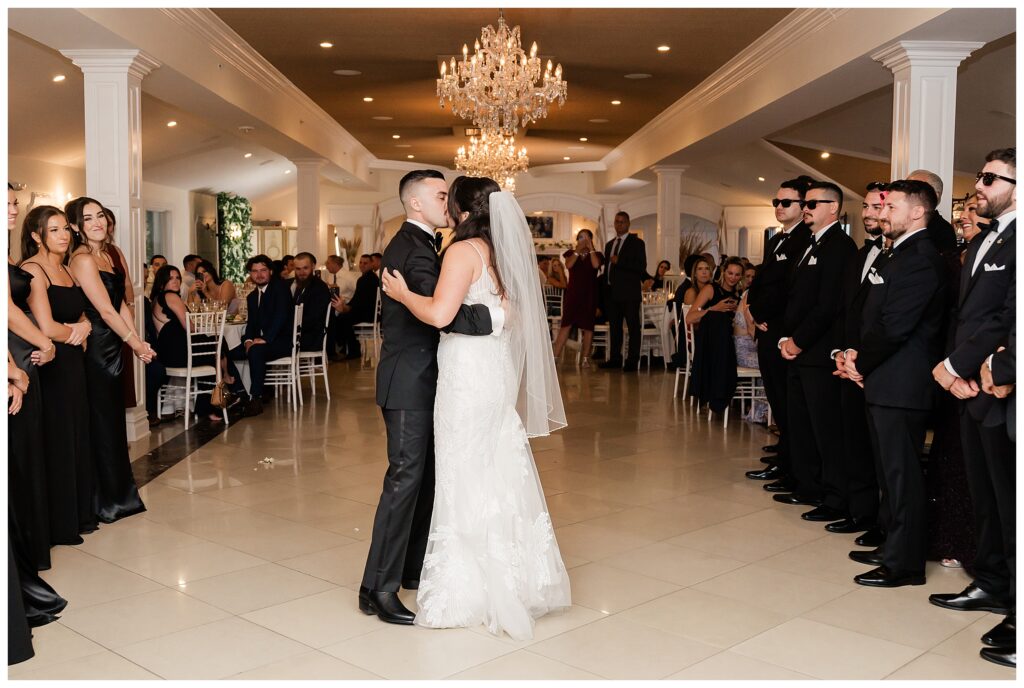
(433, 304)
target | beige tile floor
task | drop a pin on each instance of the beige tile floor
(680, 567)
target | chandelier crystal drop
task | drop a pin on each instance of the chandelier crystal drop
(499, 87)
(493, 155)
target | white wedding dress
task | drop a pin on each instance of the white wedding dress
(491, 558)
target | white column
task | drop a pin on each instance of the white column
(312, 235)
(113, 170)
(924, 107)
(608, 211)
(666, 244)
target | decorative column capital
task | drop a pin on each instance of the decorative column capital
(108, 61)
(669, 169)
(904, 54)
(308, 164)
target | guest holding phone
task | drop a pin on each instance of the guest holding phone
(714, 354)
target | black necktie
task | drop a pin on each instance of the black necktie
(438, 239)
(876, 242)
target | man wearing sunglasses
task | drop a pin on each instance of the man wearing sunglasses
(816, 429)
(984, 317)
(767, 301)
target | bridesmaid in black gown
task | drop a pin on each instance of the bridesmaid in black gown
(117, 495)
(58, 305)
(714, 353)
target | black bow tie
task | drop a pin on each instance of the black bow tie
(438, 240)
(992, 226)
(876, 242)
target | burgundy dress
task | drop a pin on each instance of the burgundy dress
(579, 303)
(127, 361)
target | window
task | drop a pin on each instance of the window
(157, 232)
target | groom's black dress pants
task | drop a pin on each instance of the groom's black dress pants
(402, 523)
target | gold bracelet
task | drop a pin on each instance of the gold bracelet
(130, 335)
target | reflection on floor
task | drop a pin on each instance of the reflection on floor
(247, 563)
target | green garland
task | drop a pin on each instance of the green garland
(234, 228)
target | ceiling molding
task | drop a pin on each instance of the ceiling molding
(407, 166)
(564, 168)
(813, 171)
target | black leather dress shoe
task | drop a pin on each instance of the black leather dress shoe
(970, 599)
(872, 538)
(1004, 634)
(769, 460)
(871, 557)
(884, 578)
(1007, 656)
(849, 525)
(385, 605)
(770, 473)
(779, 486)
(411, 583)
(771, 448)
(796, 498)
(823, 513)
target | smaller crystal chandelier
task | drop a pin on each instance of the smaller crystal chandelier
(495, 156)
(499, 88)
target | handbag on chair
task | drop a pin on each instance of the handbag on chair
(221, 397)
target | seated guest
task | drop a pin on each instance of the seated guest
(310, 291)
(714, 354)
(288, 268)
(657, 281)
(686, 294)
(557, 274)
(214, 288)
(700, 280)
(376, 260)
(749, 272)
(360, 309)
(268, 331)
(155, 263)
(188, 277)
(746, 350)
(543, 268)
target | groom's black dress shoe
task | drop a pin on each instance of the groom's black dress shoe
(971, 599)
(871, 558)
(1004, 634)
(872, 538)
(770, 473)
(411, 583)
(386, 605)
(796, 498)
(884, 578)
(1007, 656)
(822, 513)
(849, 525)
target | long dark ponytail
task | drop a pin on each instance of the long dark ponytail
(472, 195)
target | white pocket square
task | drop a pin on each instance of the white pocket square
(780, 256)
(875, 278)
(813, 260)
(992, 267)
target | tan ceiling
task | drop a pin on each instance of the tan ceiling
(397, 51)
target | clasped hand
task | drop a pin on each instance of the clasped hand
(850, 367)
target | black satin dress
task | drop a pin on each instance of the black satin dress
(714, 355)
(116, 494)
(19, 638)
(69, 459)
(26, 468)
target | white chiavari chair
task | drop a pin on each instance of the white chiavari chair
(313, 363)
(204, 333)
(284, 371)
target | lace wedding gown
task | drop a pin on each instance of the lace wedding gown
(491, 557)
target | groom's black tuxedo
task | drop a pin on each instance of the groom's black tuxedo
(406, 385)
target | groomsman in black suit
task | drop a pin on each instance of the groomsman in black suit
(940, 231)
(624, 274)
(984, 318)
(406, 386)
(767, 302)
(816, 430)
(859, 469)
(901, 337)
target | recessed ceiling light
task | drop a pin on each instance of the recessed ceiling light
(599, 121)
(287, 171)
(566, 158)
(383, 118)
(538, 212)
(639, 75)
(410, 156)
(59, 78)
(396, 136)
(247, 155)
(403, 145)
(367, 99)
(825, 155)
(172, 123)
(583, 139)
(347, 72)
(326, 44)
(760, 179)
(663, 48)
(616, 102)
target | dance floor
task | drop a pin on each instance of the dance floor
(246, 564)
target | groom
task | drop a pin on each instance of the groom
(406, 384)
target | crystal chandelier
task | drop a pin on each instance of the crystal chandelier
(493, 155)
(499, 88)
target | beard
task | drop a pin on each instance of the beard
(873, 231)
(992, 207)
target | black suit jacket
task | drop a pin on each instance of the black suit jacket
(901, 333)
(624, 279)
(364, 299)
(767, 297)
(272, 319)
(851, 305)
(315, 297)
(815, 288)
(407, 371)
(984, 315)
(941, 233)
(1004, 372)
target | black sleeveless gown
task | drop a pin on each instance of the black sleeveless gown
(69, 459)
(26, 469)
(714, 355)
(116, 494)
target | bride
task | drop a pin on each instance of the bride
(491, 557)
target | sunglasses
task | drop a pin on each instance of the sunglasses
(878, 186)
(785, 202)
(811, 205)
(987, 178)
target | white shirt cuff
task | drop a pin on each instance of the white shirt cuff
(497, 320)
(949, 368)
(832, 354)
(988, 362)
(781, 341)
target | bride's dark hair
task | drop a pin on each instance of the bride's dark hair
(472, 195)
